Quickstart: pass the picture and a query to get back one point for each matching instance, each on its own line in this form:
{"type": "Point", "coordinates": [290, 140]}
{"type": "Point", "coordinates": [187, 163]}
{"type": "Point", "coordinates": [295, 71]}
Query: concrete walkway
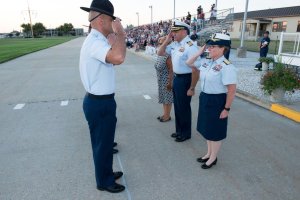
{"type": "Point", "coordinates": [45, 150]}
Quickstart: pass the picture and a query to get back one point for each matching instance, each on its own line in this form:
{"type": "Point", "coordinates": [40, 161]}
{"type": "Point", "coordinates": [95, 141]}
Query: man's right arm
{"type": "Point", "coordinates": [116, 55]}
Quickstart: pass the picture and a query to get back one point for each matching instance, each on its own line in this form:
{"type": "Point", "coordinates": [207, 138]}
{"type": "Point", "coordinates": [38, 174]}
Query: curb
{"type": "Point", "coordinates": [287, 112]}
{"type": "Point", "coordinates": [276, 108]}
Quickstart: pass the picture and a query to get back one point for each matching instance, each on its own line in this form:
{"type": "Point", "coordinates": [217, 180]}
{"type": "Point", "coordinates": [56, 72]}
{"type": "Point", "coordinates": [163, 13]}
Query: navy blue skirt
{"type": "Point", "coordinates": [209, 124]}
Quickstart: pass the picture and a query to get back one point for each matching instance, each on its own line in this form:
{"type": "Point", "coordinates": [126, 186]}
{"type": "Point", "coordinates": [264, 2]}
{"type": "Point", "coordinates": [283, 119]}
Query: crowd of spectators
{"type": "Point", "coordinates": [145, 36]}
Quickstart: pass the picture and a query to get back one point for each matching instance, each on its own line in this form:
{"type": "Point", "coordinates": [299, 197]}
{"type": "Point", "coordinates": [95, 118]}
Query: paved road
{"type": "Point", "coordinates": [46, 154]}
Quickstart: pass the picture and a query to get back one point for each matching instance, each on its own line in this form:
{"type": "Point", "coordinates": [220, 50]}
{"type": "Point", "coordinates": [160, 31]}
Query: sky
{"type": "Point", "coordinates": [54, 13]}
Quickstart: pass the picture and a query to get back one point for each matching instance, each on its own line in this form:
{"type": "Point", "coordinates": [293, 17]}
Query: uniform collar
{"type": "Point", "coordinates": [184, 40]}
{"type": "Point", "coordinates": [97, 34]}
{"type": "Point", "coordinates": [220, 60]}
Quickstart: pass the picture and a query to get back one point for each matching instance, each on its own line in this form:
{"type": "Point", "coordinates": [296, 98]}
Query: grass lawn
{"type": "Point", "coordinates": [273, 48]}
{"type": "Point", "coordinates": [11, 48]}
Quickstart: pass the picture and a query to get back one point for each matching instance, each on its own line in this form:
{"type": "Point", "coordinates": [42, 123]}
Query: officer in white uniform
{"type": "Point", "coordinates": [180, 50]}
{"type": "Point", "coordinates": [97, 59]}
{"type": "Point", "coordinates": [218, 79]}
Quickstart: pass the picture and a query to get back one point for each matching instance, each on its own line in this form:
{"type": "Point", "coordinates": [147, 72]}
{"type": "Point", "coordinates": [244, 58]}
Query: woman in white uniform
{"type": "Point", "coordinates": [218, 86]}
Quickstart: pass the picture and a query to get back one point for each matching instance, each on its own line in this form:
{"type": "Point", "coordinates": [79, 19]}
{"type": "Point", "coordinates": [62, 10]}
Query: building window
{"type": "Point", "coordinates": [248, 27]}
{"type": "Point", "coordinates": [298, 27]}
{"type": "Point", "coordinates": [279, 26]}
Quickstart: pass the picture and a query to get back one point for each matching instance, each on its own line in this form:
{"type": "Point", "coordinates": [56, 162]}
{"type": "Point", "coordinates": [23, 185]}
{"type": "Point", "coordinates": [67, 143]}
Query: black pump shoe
{"type": "Point", "coordinates": [204, 166]}
{"type": "Point", "coordinates": [201, 160]}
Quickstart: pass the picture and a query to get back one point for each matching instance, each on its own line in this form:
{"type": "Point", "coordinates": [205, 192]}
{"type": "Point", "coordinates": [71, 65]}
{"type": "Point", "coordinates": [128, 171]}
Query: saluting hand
{"type": "Point", "coordinates": [117, 27]}
{"type": "Point", "coordinates": [202, 49]}
{"type": "Point", "coordinates": [169, 38]}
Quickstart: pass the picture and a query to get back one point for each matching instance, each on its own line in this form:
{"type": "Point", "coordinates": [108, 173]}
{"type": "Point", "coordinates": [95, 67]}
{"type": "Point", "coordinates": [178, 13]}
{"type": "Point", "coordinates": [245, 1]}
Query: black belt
{"type": "Point", "coordinates": [105, 96]}
{"type": "Point", "coordinates": [182, 75]}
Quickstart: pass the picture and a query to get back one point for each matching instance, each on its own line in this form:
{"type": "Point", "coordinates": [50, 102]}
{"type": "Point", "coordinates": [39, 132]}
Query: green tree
{"type": "Point", "coordinates": [65, 29]}
{"type": "Point", "coordinates": [38, 29]}
{"type": "Point", "coordinates": [130, 26]}
{"type": "Point", "coordinates": [26, 29]}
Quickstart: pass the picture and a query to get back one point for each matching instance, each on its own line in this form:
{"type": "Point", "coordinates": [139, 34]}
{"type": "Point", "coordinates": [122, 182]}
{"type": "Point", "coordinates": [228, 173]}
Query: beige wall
{"type": "Point", "coordinates": [292, 23]}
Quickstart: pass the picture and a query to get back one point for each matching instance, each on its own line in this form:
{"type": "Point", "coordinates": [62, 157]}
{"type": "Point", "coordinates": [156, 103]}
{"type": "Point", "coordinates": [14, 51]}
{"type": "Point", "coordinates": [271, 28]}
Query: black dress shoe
{"type": "Point", "coordinates": [115, 144]}
{"type": "Point", "coordinates": [181, 139]}
{"type": "Point", "coordinates": [201, 160]}
{"type": "Point", "coordinates": [113, 189]}
{"type": "Point", "coordinates": [174, 135]}
{"type": "Point", "coordinates": [115, 151]}
{"type": "Point", "coordinates": [117, 175]}
{"type": "Point", "coordinates": [204, 166]}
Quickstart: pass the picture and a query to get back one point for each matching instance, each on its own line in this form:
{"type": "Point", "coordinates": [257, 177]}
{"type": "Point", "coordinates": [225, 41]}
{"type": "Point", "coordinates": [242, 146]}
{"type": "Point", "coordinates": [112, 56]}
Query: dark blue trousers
{"type": "Point", "coordinates": [263, 52]}
{"type": "Point", "coordinates": [182, 104]}
{"type": "Point", "coordinates": [101, 117]}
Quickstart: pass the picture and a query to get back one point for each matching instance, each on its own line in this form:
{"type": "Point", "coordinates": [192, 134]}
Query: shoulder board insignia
{"type": "Point", "coordinates": [190, 43]}
{"type": "Point", "coordinates": [227, 62]}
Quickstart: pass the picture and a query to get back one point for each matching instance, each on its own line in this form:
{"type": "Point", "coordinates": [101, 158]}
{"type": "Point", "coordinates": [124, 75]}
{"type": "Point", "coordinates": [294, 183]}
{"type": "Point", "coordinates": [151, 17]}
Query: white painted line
{"type": "Point", "coordinates": [123, 178]}
{"type": "Point", "coordinates": [64, 103]}
{"type": "Point", "coordinates": [19, 106]}
{"type": "Point", "coordinates": [147, 97]}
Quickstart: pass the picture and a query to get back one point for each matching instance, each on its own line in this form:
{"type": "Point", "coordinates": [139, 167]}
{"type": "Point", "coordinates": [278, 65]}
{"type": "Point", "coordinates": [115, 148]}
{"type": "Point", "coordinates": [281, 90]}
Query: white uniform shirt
{"type": "Point", "coordinates": [180, 52]}
{"type": "Point", "coordinates": [215, 75]}
{"type": "Point", "coordinates": [97, 76]}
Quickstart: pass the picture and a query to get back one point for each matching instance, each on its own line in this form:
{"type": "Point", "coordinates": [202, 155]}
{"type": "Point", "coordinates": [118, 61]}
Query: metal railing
{"type": "Point", "coordinates": [289, 50]}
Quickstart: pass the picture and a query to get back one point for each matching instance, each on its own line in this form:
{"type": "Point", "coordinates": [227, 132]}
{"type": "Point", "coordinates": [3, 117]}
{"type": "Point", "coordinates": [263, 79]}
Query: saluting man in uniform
{"type": "Point", "coordinates": [183, 86]}
{"type": "Point", "coordinates": [218, 79]}
{"type": "Point", "coordinates": [97, 59]}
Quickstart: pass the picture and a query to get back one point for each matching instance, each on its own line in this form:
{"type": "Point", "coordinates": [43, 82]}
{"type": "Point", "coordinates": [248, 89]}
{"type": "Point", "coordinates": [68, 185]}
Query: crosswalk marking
{"type": "Point", "coordinates": [147, 97]}
{"type": "Point", "coordinates": [19, 106]}
{"type": "Point", "coordinates": [64, 103]}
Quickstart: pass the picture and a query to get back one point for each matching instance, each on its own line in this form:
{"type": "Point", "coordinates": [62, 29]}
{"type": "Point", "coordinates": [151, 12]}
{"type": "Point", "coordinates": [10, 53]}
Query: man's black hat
{"type": "Point", "coordinates": [102, 6]}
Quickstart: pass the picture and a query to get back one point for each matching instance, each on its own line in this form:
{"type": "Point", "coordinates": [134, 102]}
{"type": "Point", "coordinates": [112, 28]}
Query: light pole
{"type": "Point", "coordinates": [30, 20]}
{"type": "Point", "coordinates": [138, 16]}
{"type": "Point", "coordinates": [241, 52]}
{"type": "Point", "coordinates": [174, 10]}
{"type": "Point", "coordinates": [151, 15]}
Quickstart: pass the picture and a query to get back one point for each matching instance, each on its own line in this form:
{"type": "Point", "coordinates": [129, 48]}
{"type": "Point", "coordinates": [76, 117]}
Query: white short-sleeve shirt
{"type": "Point", "coordinates": [97, 76]}
{"type": "Point", "coordinates": [216, 75]}
{"type": "Point", "coordinates": [180, 52]}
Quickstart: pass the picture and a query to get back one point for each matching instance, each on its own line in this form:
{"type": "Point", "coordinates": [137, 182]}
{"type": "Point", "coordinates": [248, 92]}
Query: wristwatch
{"type": "Point", "coordinates": [228, 109]}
